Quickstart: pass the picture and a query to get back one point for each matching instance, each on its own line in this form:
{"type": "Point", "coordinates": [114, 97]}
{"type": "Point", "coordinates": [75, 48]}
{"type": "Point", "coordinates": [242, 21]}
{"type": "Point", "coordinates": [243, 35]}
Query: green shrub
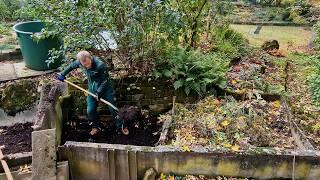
{"type": "Point", "coordinates": [287, 3]}
{"type": "Point", "coordinates": [295, 16]}
{"type": "Point", "coordinates": [314, 81]}
{"type": "Point", "coordinates": [3, 10]}
{"type": "Point", "coordinates": [230, 42]}
{"type": "Point", "coordinates": [275, 13]}
{"type": "Point", "coordinates": [299, 11]}
{"type": "Point", "coordinates": [140, 28]}
{"type": "Point", "coordinates": [7, 7]}
{"type": "Point", "coordinates": [4, 30]}
{"type": "Point", "coordinates": [285, 15]}
{"type": "Point", "coordinates": [193, 71]}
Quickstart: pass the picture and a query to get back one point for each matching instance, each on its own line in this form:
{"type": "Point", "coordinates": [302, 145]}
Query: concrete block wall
{"type": "Point", "coordinates": [105, 161]}
{"type": "Point", "coordinates": [47, 132]}
{"type": "Point", "coordinates": [150, 94]}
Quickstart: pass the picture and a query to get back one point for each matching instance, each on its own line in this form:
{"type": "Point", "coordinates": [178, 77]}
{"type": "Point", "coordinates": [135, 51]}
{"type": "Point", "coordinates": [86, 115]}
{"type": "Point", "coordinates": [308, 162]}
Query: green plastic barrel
{"type": "Point", "coordinates": [35, 53]}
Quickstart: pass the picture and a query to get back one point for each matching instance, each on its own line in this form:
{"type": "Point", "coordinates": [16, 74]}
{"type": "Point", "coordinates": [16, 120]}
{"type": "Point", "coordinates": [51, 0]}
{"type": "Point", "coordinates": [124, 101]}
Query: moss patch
{"type": "Point", "coordinates": [18, 95]}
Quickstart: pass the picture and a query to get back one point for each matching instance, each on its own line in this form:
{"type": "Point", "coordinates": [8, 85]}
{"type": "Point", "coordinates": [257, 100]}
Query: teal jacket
{"type": "Point", "coordinates": [98, 77]}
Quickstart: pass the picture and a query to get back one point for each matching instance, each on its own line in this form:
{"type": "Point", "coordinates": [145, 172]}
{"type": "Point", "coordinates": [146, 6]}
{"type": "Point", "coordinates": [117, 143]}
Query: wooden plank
{"type": "Point", "coordinates": [5, 166]}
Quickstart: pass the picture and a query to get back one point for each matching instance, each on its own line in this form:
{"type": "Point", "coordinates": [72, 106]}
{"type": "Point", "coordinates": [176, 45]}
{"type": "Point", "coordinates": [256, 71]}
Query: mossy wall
{"type": "Point", "coordinates": [150, 94]}
{"type": "Point", "coordinates": [18, 95]}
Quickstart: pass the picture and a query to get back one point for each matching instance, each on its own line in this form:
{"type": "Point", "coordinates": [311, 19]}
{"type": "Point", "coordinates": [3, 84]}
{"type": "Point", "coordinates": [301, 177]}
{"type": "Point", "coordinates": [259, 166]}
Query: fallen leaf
{"type": "Point", "coordinates": [227, 145]}
{"type": "Point", "coordinates": [162, 176]}
{"type": "Point", "coordinates": [235, 148]}
{"type": "Point", "coordinates": [277, 104]}
{"type": "Point", "coordinates": [185, 149]}
{"type": "Point", "coordinates": [225, 123]}
{"type": "Point", "coordinates": [237, 68]}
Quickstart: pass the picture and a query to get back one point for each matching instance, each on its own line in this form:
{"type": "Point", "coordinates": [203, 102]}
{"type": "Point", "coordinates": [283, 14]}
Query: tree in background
{"type": "Point", "coordinates": [140, 28]}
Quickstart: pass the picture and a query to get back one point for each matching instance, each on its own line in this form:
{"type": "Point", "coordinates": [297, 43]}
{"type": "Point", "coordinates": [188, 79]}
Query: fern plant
{"type": "Point", "coordinates": [193, 70]}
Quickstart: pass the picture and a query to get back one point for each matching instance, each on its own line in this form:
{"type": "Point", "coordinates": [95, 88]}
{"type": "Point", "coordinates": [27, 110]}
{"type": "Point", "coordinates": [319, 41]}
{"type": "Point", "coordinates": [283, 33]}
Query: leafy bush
{"type": "Point", "coordinates": [229, 41]}
{"type": "Point", "coordinates": [3, 10]}
{"type": "Point", "coordinates": [7, 7]}
{"type": "Point", "coordinates": [4, 30]}
{"type": "Point", "coordinates": [192, 70]}
{"type": "Point", "coordinates": [140, 28]}
{"type": "Point", "coordinates": [295, 17]}
{"type": "Point", "coordinates": [299, 11]}
{"type": "Point", "coordinates": [287, 3]}
{"type": "Point", "coordinates": [286, 15]}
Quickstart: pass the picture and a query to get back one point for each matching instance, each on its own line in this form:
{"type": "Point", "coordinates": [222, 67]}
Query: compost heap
{"type": "Point", "coordinates": [231, 124]}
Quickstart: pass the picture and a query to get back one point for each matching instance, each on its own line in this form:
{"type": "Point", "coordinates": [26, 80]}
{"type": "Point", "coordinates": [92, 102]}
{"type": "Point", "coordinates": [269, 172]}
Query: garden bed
{"type": "Point", "coordinates": [257, 74]}
{"type": "Point", "coordinates": [142, 135]}
{"type": "Point", "coordinates": [236, 125]}
{"type": "Point", "coordinates": [16, 138]}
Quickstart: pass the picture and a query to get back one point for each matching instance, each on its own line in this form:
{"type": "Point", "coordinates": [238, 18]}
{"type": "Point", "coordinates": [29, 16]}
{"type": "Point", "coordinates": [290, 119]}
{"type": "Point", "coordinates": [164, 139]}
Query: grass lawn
{"type": "Point", "coordinates": [299, 36]}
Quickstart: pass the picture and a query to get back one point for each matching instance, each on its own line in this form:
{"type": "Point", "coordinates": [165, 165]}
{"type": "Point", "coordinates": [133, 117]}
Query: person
{"type": "Point", "coordinates": [99, 84]}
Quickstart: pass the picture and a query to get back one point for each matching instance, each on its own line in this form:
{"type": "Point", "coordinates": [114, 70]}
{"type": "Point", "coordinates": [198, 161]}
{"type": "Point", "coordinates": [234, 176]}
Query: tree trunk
{"type": "Point", "coordinates": [195, 25]}
{"type": "Point", "coordinates": [209, 21]}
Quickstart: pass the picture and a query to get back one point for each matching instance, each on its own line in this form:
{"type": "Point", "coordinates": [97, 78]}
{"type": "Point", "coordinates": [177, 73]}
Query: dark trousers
{"type": "Point", "coordinates": [92, 105]}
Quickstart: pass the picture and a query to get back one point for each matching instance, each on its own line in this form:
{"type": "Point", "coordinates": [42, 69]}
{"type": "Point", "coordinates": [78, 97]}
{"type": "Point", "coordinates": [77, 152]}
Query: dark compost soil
{"type": "Point", "coordinates": [145, 134]}
{"type": "Point", "coordinates": [16, 138]}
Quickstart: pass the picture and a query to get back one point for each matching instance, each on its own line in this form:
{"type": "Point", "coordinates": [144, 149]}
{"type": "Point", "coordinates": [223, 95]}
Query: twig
{"type": "Point", "coordinates": [173, 104]}
{"type": "Point", "coordinates": [166, 125]}
{"type": "Point", "coordinates": [300, 138]}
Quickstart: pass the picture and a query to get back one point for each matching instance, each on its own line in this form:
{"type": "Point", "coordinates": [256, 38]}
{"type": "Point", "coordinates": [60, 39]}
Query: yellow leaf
{"type": "Point", "coordinates": [227, 145]}
{"type": "Point", "coordinates": [233, 82]}
{"type": "Point", "coordinates": [185, 148]}
{"type": "Point", "coordinates": [316, 127]}
{"type": "Point", "coordinates": [240, 90]}
{"type": "Point", "coordinates": [225, 123]}
{"type": "Point", "coordinates": [216, 102]}
{"type": "Point", "coordinates": [162, 176]}
{"type": "Point", "coordinates": [235, 147]}
{"type": "Point", "coordinates": [277, 104]}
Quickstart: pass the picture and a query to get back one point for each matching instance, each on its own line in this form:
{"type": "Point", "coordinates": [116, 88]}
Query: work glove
{"type": "Point", "coordinates": [98, 94]}
{"type": "Point", "coordinates": [61, 77]}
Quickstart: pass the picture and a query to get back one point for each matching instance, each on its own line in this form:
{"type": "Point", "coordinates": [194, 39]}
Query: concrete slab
{"type": "Point", "coordinates": [92, 161]}
{"type": "Point", "coordinates": [22, 71]}
{"type": "Point", "coordinates": [12, 71]}
{"type": "Point", "coordinates": [44, 154]}
{"type": "Point", "coordinates": [7, 72]}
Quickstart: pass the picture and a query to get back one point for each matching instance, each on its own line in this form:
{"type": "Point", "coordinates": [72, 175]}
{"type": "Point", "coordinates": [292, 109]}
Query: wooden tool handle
{"type": "Point", "coordinates": [90, 93]}
{"type": "Point", "coordinates": [5, 167]}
